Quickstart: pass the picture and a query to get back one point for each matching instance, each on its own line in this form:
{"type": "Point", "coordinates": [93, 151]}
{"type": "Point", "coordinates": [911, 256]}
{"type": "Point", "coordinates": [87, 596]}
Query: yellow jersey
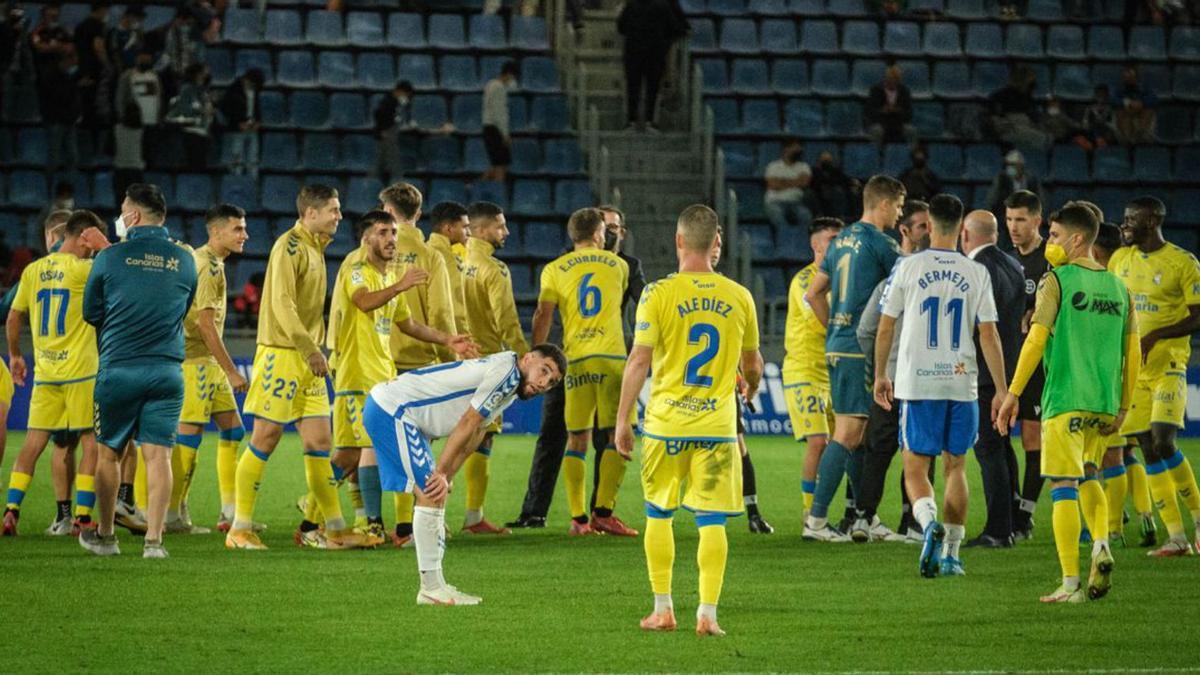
{"type": "Point", "coordinates": [588, 285]}
{"type": "Point", "coordinates": [1163, 284]}
{"type": "Point", "coordinates": [698, 325]}
{"type": "Point", "coordinates": [804, 335]}
{"type": "Point", "coordinates": [210, 294]}
{"type": "Point", "coordinates": [429, 302]}
{"type": "Point", "coordinates": [488, 291]}
{"type": "Point", "coordinates": [454, 270]}
{"type": "Point", "coordinates": [292, 313]}
{"type": "Point", "coordinates": [363, 354]}
{"type": "Point", "coordinates": [51, 293]}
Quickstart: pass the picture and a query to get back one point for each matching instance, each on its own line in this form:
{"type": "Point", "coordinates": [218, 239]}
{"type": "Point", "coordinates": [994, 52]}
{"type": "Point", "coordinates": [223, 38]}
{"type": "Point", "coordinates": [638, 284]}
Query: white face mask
{"type": "Point", "coordinates": [122, 228]}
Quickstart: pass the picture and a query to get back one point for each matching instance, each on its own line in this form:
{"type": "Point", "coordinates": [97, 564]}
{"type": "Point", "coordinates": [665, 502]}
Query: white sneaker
{"type": "Point", "coordinates": [130, 517]}
{"type": "Point", "coordinates": [154, 551]}
{"type": "Point", "coordinates": [181, 525]}
{"type": "Point", "coordinates": [446, 595]}
{"type": "Point", "coordinates": [102, 546]}
{"type": "Point", "coordinates": [881, 532]}
{"type": "Point", "coordinates": [828, 534]}
{"type": "Point", "coordinates": [860, 531]}
{"type": "Point", "coordinates": [60, 528]}
{"type": "Point", "coordinates": [914, 536]}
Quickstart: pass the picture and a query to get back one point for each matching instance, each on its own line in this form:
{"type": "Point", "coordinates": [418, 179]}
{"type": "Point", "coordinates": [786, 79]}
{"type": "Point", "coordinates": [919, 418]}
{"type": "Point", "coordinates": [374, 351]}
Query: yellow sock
{"type": "Point", "coordinates": [404, 507]}
{"type": "Point", "coordinates": [312, 509]}
{"type": "Point", "coordinates": [139, 481]}
{"type": "Point", "coordinates": [1162, 488]}
{"type": "Point", "coordinates": [1185, 482]}
{"type": "Point", "coordinates": [227, 462]}
{"type": "Point", "coordinates": [178, 477]}
{"type": "Point", "coordinates": [710, 556]}
{"type": "Point", "coordinates": [807, 489]}
{"type": "Point", "coordinates": [573, 469]}
{"type": "Point", "coordinates": [250, 470]}
{"type": "Point", "coordinates": [1067, 528]}
{"type": "Point", "coordinates": [85, 495]}
{"type": "Point", "coordinates": [18, 484]}
{"type": "Point", "coordinates": [1115, 487]}
{"type": "Point", "coordinates": [356, 499]}
{"type": "Point", "coordinates": [659, 542]}
{"type": "Point", "coordinates": [1139, 487]}
{"type": "Point", "coordinates": [319, 473]}
{"type": "Point", "coordinates": [476, 471]}
{"type": "Point", "coordinates": [612, 472]}
{"type": "Point", "coordinates": [1095, 508]}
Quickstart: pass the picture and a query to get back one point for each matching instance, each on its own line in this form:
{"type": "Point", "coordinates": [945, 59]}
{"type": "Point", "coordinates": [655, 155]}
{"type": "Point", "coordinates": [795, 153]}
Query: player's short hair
{"type": "Point", "coordinates": [609, 208]}
{"type": "Point", "coordinates": [314, 197]}
{"type": "Point", "coordinates": [912, 207]}
{"type": "Point", "coordinates": [1108, 237]}
{"type": "Point", "coordinates": [583, 224]}
{"type": "Point", "coordinates": [823, 223]}
{"type": "Point", "coordinates": [222, 212]}
{"type": "Point", "coordinates": [1090, 206]}
{"type": "Point", "coordinates": [483, 210]}
{"type": "Point", "coordinates": [446, 211]}
{"type": "Point", "coordinates": [554, 353]}
{"type": "Point", "coordinates": [1151, 205]}
{"type": "Point", "coordinates": [699, 226]}
{"type": "Point", "coordinates": [148, 197]}
{"type": "Point", "coordinates": [1024, 199]}
{"type": "Point", "coordinates": [1077, 219]}
{"type": "Point", "coordinates": [81, 220]}
{"type": "Point", "coordinates": [371, 219]}
{"type": "Point", "coordinates": [56, 219]}
{"type": "Point", "coordinates": [946, 212]}
{"type": "Point", "coordinates": [881, 188]}
{"type": "Point", "coordinates": [404, 197]}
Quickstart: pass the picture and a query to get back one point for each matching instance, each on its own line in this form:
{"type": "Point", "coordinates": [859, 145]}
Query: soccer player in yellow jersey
{"type": "Point", "coordinates": [66, 357]}
{"type": "Point", "coordinates": [697, 328]}
{"type": "Point", "coordinates": [449, 222]}
{"type": "Point", "coordinates": [488, 292]}
{"type": "Point", "coordinates": [586, 285]}
{"type": "Point", "coordinates": [1164, 281]}
{"type": "Point", "coordinates": [805, 378]}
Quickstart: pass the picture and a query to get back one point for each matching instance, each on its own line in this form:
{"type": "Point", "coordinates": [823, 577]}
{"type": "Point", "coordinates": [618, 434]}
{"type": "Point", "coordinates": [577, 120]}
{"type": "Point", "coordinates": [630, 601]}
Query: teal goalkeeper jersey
{"type": "Point", "coordinates": [857, 260]}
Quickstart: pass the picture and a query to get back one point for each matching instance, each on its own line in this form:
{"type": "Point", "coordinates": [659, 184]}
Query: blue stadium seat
{"type": "Point", "coordinates": [32, 147]}
{"type": "Point", "coordinates": [492, 191]}
{"type": "Point", "coordinates": [691, 7]}
{"type": "Point", "coordinates": [543, 240]}
{"type": "Point", "coordinates": [830, 78]}
{"type": "Point", "coordinates": [83, 189]}
{"type": "Point", "coordinates": [446, 31]}
{"type": "Point", "coordinates": [966, 9]}
{"type": "Point", "coordinates": [769, 7]}
{"type": "Point", "coordinates": [406, 31]}
{"type": "Point", "coordinates": [348, 111]}
{"type": "Point", "coordinates": [1174, 124]}
{"type": "Point", "coordinates": [760, 116]}
{"type": "Point", "coordinates": [727, 7]}
{"type": "Point", "coordinates": [1024, 42]}
{"type": "Point", "coordinates": [1148, 43]}
{"type": "Point", "coordinates": [915, 75]}
{"type": "Point", "coordinates": [989, 76]}
{"type": "Point", "coordinates": [343, 243]}
{"type": "Point", "coordinates": [376, 70]}
{"type": "Point", "coordinates": [739, 36]}
{"type": "Point", "coordinates": [488, 33]}
{"type": "Point", "coordinates": [1185, 207]}
{"type": "Point", "coordinates": [319, 152]}
{"type": "Point", "coordinates": [447, 190]}
{"type": "Point", "coordinates": [274, 108]}
{"type": "Point", "coordinates": [819, 37]}
{"type": "Point", "coordinates": [296, 69]}
{"type": "Point", "coordinates": [1047, 11]}
{"type": "Point", "coordinates": [762, 244]}
{"type": "Point", "coordinates": [1069, 164]}
{"type": "Point", "coordinates": [254, 58]}
{"type": "Point", "coordinates": [1106, 43]}
{"type": "Point", "coordinates": [946, 159]}
{"type": "Point", "coordinates": [775, 285]}
{"type": "Point", "coordinates": [459, 73]}
{"type": "Point", "coordinates": [518, 113]}
{"type": "Point", "coordinates": [739, 159]}
{"type": "Point", "coordinates": [1111, 164]}
{"type": "Point", "coordinates": [750, 200]}
{"type": "Point", "coordinates": [861, 38]}
{"type": "Point", "coordinates": [325, 29]}
{"type": "Point", "coordinates": [335, 70]}
{"type": "Point", "coordinates": [807, 7]}
{"type": "Point", "coordinates": [490, 65]}
{"type": "Point", "coordinates": [1065, 42]}
{"type": "Point", "coordinates": [539, 74]}
{"type": "Point", "coordinates": [866, 74]}
{"type": "Point", "coordinates": [847, 8]}
{"type": "Point", "coordinates": [572, 194]}
{"type": "Point", "coordinates": [768, 151]}
{"type": "Point", "coordinates": [363, 194]}
{"type": "Point", "coordinates": [1185, 43]}
{"type": "Point", "coordinates": [860, 160]}
{"type": "Point", "coordinates": [241, 26]}
{"type": "Point", "coordinates": [1186, 238]}
{"type": "Point", "coordinates": [713, 75]}
{"type": "Point", "coordinates": [902, 38]}
{"type": "Point", "coordinates": [549, 114]}
{"type": "Point", "coordinates": [927, 8]}
{"type": "Point", "coordinates": [952, 79]}
{"type": "Point", "coordinates": [790, 77]}
{"type": "Point", "coordinates": [258, 241]}
{"type": "Point", "coordinates": [522, 281]}
{"type": "Point", "coordinates": [531, 197]}
{"type": "Point", "coordinates": [364, 29]}
{"type": "Point", "coordinates": [704, 35]}
{"type": "Point", "coordinates": [1152, 163]}
{"type": "Point", "coordinates": [750, 76]}
{"type": "Point", "coordinates": [779, 36]}
{"type": "Point", "coordinates": [529, 32]}
{"type": "Point", "coordinates": [526, 156]}
{"type": "Point", "coordinates": [220, 64]}
{"type": "Point", "coordinates": [467, 113]}
{"type": "Point", "coordinates": [726, 117]}
{"type": "Point", "coordinates": [1187, 82]}
{"type": "Point", "coordinates": [803, 117]}
{"type": "Point", "coordinates": [278, 151]}
{"type": "Point", "coordinates": [844, 118]}
{"type": "Point", "coordinates": [929, 117]}
{"type": "Point", "coordinates": [417, 69]}
{"type": "Point", "coordinates": [983, 162]}
{"type": "Point", "coordinates": [193, 192]}
{"type": "Point", "coordinates": [358, 152]}
{"type": "Point", "coordinates": [984, 41]}
{"type": "Point", "coordinates": [164, 181]}
{"type": "Point", "coordinates": [942, 40]}
{"type": "Point", "coordinates": [1073, 81]}
{"type": "Point", "coordinates": [309, 110]}
{"type": "Point", "coordinates": [283, 27]}
{"type": "Point", "coordinates": [1113, 200]}
{"type": "Point", "coordinates": [896, 158]}
{"type": "Point", "coordinates": [102, 190]}
{"type": "Point", "coordinates": [429, 112]}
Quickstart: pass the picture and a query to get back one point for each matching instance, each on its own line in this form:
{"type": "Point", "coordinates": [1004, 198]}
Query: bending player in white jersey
{"type": "Point", "coordinates": [944, 296]}
{"type": "Point", "coordinates": [456, 400]}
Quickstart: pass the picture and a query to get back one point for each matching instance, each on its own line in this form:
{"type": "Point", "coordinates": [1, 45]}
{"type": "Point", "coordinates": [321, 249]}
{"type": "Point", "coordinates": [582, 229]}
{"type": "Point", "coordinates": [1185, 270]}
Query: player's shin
{"type": "Point", "coordinates": [476, 471]}
{"type": "Point", "coordinates": [85, 496]}
{"type": "Point", "coordinates": [1094, 504]}
{"type": "Point", "coordinates": [1162, 489]}
{"type": "Point", "coordinates": [612, 472]}
{"type": "Point", "coordinates": [573, 468]}
{"type": "Point", "coordinates": [829, 478]}
{"type": "Point", "coordinates": [372, 492]}
{"type": "Point", "coordinates": [318, 473]}
{"type": "Point", "coordinates": [1185, 482]}
{"type": "Point", "coordinates": [1066, 531]}
{"type": "Point", "coordinates": [659, 545]}
{"type": "Point", "coordinates": [1115, 488]}
{"type": "Point", "coordinates": [429, 530]}
{"type": "Point", "coordinates": [227, 461]}
{"type": "Point", "coordinates": [710, 557]}
{"type": "Point", "coordinates": [183, 463]}
{"type": "Point", "coordinates": [250, 470]}
{"type": "Point", "coordinates": [403, 503]}
{"type": "Point", "coordinates": [1139, 484]}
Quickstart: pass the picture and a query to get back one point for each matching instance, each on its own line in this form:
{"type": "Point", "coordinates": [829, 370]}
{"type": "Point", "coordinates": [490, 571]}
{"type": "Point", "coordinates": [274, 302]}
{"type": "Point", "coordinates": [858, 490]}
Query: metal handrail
{"type": "Point", "coordinates": [605, 177]}
{"type": "Point", "coordinates": [707, 151]}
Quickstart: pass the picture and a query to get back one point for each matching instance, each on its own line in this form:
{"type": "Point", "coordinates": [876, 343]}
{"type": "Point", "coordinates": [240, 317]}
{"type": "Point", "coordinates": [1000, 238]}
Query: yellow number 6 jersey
{"type": "Point", "coordinates": [698, 325]}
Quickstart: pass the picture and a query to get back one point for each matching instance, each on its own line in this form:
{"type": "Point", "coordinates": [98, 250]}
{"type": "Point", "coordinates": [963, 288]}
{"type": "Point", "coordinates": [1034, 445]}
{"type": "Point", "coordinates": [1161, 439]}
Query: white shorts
{"type": "Point", "coordinates": [401, 448]}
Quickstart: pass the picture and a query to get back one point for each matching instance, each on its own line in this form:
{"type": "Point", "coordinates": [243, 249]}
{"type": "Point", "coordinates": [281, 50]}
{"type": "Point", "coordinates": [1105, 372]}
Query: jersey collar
{"type": "Point", "coordinates": [438, 240]}
{"type": "Point", "coordinates": [409, 232]}
{"type": "Point", "coordinates": [316, 241]}
{"type": "Point", "coordinates": [147, 231]}
{"type": "Point", "coordinates": [475, 244]}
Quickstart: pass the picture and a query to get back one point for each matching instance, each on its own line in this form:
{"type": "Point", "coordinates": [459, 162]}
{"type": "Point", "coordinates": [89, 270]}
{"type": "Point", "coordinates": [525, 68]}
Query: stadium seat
{"type": "Point", "coordinates": [364, 29]}
{"type": "Point", "coordinates": [32, 147]}
{"type": "Point", "coordinates": [1065, 42]}
{"type": "Point", "coordinates": [946, 159]}
{"type": "Point", "coordinates": [1069, 164]}
{"type": "Point", "coordinates": [335, 70]}
{"type": "Point", "coordinates": [418, 70]}
{"type": "Point", "coordinates": [844, 118]}
{"type": "Point", "coordinates": [220, 65]}
{"type": "Point", "coordinates": [1111, 164]}
{"type": "Point", "coordinates": [279, 152]}
{"type": "Point", "coordinates": [1148, 43]}
{"type": "Point", "coordinates": [490, 65]}
{"type": "Point", "coordinates": [247, 59]}
{"type": "Point", "coordinates": [779, 36]}
{"type": "Point", "coordinates": [459, 73]}
{"type": "Point", "coordinates": [429, 112]}
{"type": "Point", "coordinates": [790, 77]}
{"type": "Point", "coordinates": [348, 112]}
{"type": "Point", "coordinates": [1047, 11]}
{"type": "Point", "coordinates": [762, 243]}
{"type": "Point", "coordinates": [446, 31]}
{"type": "Point", "coordinates": [739, 36]}
{"type": "Point", "coordinates": [549, 114]}
{"type": "Point", "coordinates": [283, 27]}
{"type": "Point", "coordinates": [319, 152]}
{"type": "Point", "coordinates": [929, 117]}
{"type": "Point", "coordinates": [860, 160]}
{"type": "Point", "coordinates": [193, 192]}
{"type": "Point", "coordinates": [530, 197]}
{"type": "Point", "coordinates": [713, 75]}
{"type": "Point", "coordinates": [807, 7]}
{"type": "Point", "coordinates": [241, 26]}
{"type": "Point", "coordinates": [447, 190]}
{"type": "Point", "coordinates": [830, 78]}
{"type": "Point", "coordinates": [571, 195]}
{"type": "Point", "coordinates": [1024, 42]}
{"type": "Point", "coordinates": [164, 181]}
{"type": "Point", "coordinates": [325, 29]}
{"type": "Point", "coordinates": [492, 191]}
{"type": "Point", "coordinates": [767, 152]}
{"type": "Point", "coordinates": [406, 31]}
{"type": "Point", "coordinates": [296, 69]}
{"type": "Point", "coordinates": [518, 113]}
{"type": "Point", "coordinates": [902, 38]}
{"type": "Point", "coordinates": [769, 7]}
{"type": "Point", "coordinates": [988, 77]}
{"type": "Point", "coordinates": [1174, 124]}
{"type": "Point", "coordinates": [1187, 82]}
{"type": "Point", "coordinates": [441, 154]}
{"type": "Point", "coordinates": [526, 156]}
{"type": "Point", "coordinates": [750, 200]}
{"type": "Point", "coordinates": [259, 239]}
{"type": "Point", "coordinates": [915, 75]}
{"type": "Point", "coordinates": [467, 113]}
{"type": "Point", "coordinates": [1106, 43]}
{"type": "Point", "coordinates": [927, 8]}
{"type": "Point", "coordinates": [274, 108]}
{"type": "Point", "coordinates": [803, 117]}
{"type": "Point", "coordinates": [727, 7]}
{"type": "Point", "coordinates": [739, 159]}
{"type": "Point", "coordinates": [692, 7]}
{"type": "Point", "coordinates": [1073, 82]}
{"type": "Point", "coordinates": [539, 74]}
{"type": "Point", "coordinates": [1185, 43]}
{"type": "Point", "coordinates": [861, 38]}
{"type": "Point", "coordinates": [528, 32]}
{"type": "Point", "coordinates": [1186, 238]}
{"type": "Point", "coordinates": [1185, 207]}
{"type": "Point", "coordinates": [309, 110]}
{"type": "Point", "coordinates": [363, 194]}
{"type": "Point", "coordinates": [896, 158]}
{"type": "Point", "coordinates": [847, 8]}
{"type": "Point", "coordinates": [760, 117]}
{"type": "Point", "coordinates": [1187, 164]}
{"type": "Point", "coordinates": [942, 40]}
{"type": "Point", "coordinates": [983, 162]}
{"type": "Point", "coordinates": [704, 36]}
{"type": "Point", "coordinates": [487, 33]}
{"type": "Point", "coordinates": [984, 41]}
{"type": "Point", "coordinates": [522, 277]}
{"type": "Point", "coordinates": [1151, 164]}
{"type": "Point", "coordinates": [966, 9]}
{"type": "Point", "coordinates": [343, 243]}
{"type": "Point", "coordinates": [376, 70]}
{"type": "Point", "coordinates": [866, 74]}
{"type": "Point", "coordinates": [819, 37]}
{"type": "Point", "coordinates": [775, 284]}
{"type": "Point", "coordinates": [952, 79]}
{"type": "Point", "coordinates": [750, 77]}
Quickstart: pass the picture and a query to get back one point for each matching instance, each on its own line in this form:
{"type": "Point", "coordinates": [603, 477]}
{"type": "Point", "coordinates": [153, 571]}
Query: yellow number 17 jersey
{"type": "Point", "coordinates": [588, 285]}
{"type": "Point", "coordinates": [698, 325]}
{"type": "Point", "coordinates": [51, 294]}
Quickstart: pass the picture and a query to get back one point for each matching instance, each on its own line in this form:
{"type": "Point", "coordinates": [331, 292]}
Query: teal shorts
{"type": "Point", "coordinates": [848, 386]}
{"type": "Point", "coordinates": [138, 402]}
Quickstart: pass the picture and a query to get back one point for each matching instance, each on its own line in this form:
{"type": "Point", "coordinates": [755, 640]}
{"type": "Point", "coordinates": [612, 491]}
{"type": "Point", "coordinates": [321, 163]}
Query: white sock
{"type": "Point", "coordinates": [1099, 545]}
{"type": "Point", "coordinates": [227, 511]}
{"type": "Point", "coordinates": [816, 523]}
{"type": "Point", "coordinates": [924, 511]}
{"type": "Point", "coordinates": [335, 524]}
{"type": "Point", "coordinates": [954, 536]}
{"type": "Point", "coordinates": [750, 499]}
{"type": "Point", "coordinates": [707, 611]}
{"type": "Point", "coordinates": [662, 603]}
{"type": "Point", "coordinates": [429, 540]}
{"type": "Point", "coordinates": [172, 514]}
{"type": "Point", "coordinates": [360, 513]}
{"type": "Point", "coordinates": [473, 517]}
{"type": "Point", "coordinates": [1071, 583]}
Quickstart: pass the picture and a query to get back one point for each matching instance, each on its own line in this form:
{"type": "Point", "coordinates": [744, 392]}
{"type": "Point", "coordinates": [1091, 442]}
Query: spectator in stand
{"type": "Point", "coordinates": [242, 117]}
{"type": "Point", "coordinates": [496, 138]}
{"type": "Point", "coordinates": [1100, 120]}
{"type": "Point", "coordinates": [63, 200]}
{"type": "Point", "coordinates": [1011, 10]}
{"type": "Point", "coordinates": [397, 132]}
{"type": "Point", "coordinates": [192, 112]}
{"type": "Point", "coordinates": [129, 163]}
{"type": "Point", "coordinates": [95, 78]}
{"type": "Point", "coordinates": [127, 40]}
{"type": "Point", "coordinates": [832, 189]}
{"type": "Point", "coordinates": [246, 304]}
{"type": "Point", "coordinates": [16, 56]}
{"type": "Point", "coordinates": [58, 91]}
{"type": "Point", "coordinates": [920, 182]}
{"type": "Point", "coordinates": [1057, 124]}
{"type": "Point", "coordinates": [888, 112]}
{"type": "Point", "coordinates": [1011, 178]}
{"type": "Point", "coordinates": [649, 28]}
{"type": "Point", "coordinates": [50, 40]}
{"type": "Point", "coordinates": [784, 202]}
{"type": "Point", "coordinates": [1135, 109]}
{"type": "Point", "coordinates": [1015, 113]}
{"type": "Point", "coordinates": [181, 48]}
{"type": "Point", "coordinates": [140, 87]}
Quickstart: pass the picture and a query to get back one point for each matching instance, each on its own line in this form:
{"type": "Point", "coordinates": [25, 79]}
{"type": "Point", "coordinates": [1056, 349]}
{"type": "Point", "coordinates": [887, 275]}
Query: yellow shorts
{"type": "Point", "coordinates": [6, 385]}
{"type": "Point", "coordinates": [62, 407]}
{"type": "Point", "coordinates": [283, 389]}
{"type": "Point", "coordinates": [593, 392]}
{"type": "Point", "coordinates": [1159, 397]}
{"type": "Point", "coordinates": [1071, 440]}
{"type": "Point", "coordinates": [496, 426]}
{"type": "Point", "coordinates": [206, 392]}
{"type": "Point", "coordinates": [712, 471]}
{"type": "Point", "coordinates": [348, 430]}
{"type": "Point", "coordinates": [809, 409]}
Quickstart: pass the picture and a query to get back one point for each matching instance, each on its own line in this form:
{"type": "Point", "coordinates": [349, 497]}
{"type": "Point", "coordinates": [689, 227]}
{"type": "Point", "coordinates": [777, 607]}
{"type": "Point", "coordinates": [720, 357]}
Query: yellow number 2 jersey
{"type": "Point", "coordinates": [51, 294]}
{"type": "Point", "coordinates": [698, 325]}
{"type": "Point", "coordinates": [587, 285]}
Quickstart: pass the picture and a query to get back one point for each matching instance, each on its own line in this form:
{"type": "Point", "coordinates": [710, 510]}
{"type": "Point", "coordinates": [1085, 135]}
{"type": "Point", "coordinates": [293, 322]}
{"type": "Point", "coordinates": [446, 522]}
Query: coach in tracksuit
{"type": "Point", "coordinates": [137, 296]}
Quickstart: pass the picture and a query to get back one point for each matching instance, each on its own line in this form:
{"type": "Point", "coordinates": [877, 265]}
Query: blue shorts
{"type": "Point", "coordinates": [848, 386]}
{"type": "Point", "coordinates": [140, 403]}
{"type": "Point", "coordinates": [931, 427]}
{"type": "Point", "coordinates": [402, 450]}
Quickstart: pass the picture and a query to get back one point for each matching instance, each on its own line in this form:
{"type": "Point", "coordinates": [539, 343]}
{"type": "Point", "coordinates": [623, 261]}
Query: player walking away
{"type": "Point", "coordinates": [66, 359]}
{"type": "Point", "coordinates": [371, 302]}
{"type": "Point", "coordinates": [1083, 323]}
{"type": "Point", "coordinates": [1023, 216]}
{"type": "Point", "coordinates": [210, 378]}
{"type": "Point", "coordinates": [495, 326]}
{"type": "Point", "coordinates": [698, 328]}
{"type": "Point", "coordinates": [137, 296]}
{"type": "Point", "coordinates": [857, 260]}
{"type": "Point", "coordinates": [288, 379]}
{"type": "Point", "coordinates": [455, 401]}
{"type": "Point", "coordinates": [1164, 281]}
{"type": "Point", "coordinates": [586, 286]}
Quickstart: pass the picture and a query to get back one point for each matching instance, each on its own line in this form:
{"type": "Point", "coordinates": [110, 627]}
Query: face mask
{"type": "Point", "coordinates": [610, 240]}
{"type": "Point", "coordinates": [68, 204]}
{"type": "Point", "coordinates": [1056, 255]}
{"type": "Point", "coordinates": [121, 227]}
{"type": "Point", "coordinates": [1011, 171]}
{"type": "Point", "coordinates": [793, 156]}
{"type": "Point", "coordinates": [1053, 110]}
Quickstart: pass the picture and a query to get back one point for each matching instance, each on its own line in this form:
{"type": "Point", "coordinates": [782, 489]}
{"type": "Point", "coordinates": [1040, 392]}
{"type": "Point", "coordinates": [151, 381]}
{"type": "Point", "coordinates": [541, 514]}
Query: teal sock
{"type": "Point", "coordinates": [829, 477]}
{"type": "Point", "coordinates": [372, 491]}
{"type": "Point", "coordinates": [854, 471]}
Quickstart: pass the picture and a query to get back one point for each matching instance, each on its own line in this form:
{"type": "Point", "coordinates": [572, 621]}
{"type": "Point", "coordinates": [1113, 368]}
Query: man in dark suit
{"type": "Point", "coordinates": [552, 438]}
{"type": "Point", "coordinates": [997, 461]}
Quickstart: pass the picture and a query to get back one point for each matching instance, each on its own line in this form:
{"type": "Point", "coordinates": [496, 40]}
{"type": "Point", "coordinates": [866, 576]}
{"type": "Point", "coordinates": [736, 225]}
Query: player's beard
{"type": "Point", "coordinates": [521, 388]}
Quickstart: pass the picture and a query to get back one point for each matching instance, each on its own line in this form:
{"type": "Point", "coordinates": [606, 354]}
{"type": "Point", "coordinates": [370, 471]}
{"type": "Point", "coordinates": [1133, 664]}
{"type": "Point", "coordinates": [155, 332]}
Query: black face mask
{"type": "Point", "coordinates": [610, 240]}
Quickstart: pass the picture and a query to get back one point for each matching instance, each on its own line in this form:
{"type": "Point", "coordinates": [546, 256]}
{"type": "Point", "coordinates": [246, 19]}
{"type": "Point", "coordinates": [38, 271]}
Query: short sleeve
{"type": "Point", "coordinates": [987, 302]}
{"type": "Point", "coordinates": [891, 302]}
{"type": "Point", "coordinates": [21, 301]}
{"type": "Point", "coordinates": [402, 311]}
{"type": "Point", "coordinates": [547, 291]}
{"type": "Point", "coordinates": [828, 263]}
{"type": "Point", "coordinates": [750, 337]}
{"type": "Point", "coordinates": [646, 328]}
{"type": "Point", "coordinates": [498, 388]}
{"type": "Point", "coordinates": [1049, 295]}
{"type": "Point", "coordinates": [1189, 280]}
{"type": "Point", "coordinates": [887, 251]}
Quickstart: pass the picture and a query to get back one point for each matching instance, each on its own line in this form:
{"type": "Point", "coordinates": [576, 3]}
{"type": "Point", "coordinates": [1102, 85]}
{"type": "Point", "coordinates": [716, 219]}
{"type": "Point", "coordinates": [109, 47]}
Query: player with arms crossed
{"type": "Point", "coordinates": [1082, 324]}
{"type": "Point", "coordinates": [455, 401]}
{"type": "Point", "coordinates": [697, 327]}
{"type": "Point", "coordinates": [944, 297]}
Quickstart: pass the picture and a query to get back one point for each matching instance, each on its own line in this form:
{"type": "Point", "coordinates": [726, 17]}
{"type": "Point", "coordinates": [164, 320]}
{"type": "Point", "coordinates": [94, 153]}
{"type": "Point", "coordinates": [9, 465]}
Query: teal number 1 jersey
{"type": "Point", "coordinates": [857, 260]}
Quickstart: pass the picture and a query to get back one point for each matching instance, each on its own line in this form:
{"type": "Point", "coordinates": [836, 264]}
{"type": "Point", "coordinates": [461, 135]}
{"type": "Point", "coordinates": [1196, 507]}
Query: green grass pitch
{"type": "Point", "coordinates": [559, 604]}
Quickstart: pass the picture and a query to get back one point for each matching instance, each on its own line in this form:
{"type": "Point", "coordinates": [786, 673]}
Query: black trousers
{"type": "Point", "coordinates": [548, 456]}
{"type": "Point", "coordinates": [997, 466]}
{"type": "Point", "coordinates": [880, 443]}
{"type": "Point", "coordinates": [643, 67]}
